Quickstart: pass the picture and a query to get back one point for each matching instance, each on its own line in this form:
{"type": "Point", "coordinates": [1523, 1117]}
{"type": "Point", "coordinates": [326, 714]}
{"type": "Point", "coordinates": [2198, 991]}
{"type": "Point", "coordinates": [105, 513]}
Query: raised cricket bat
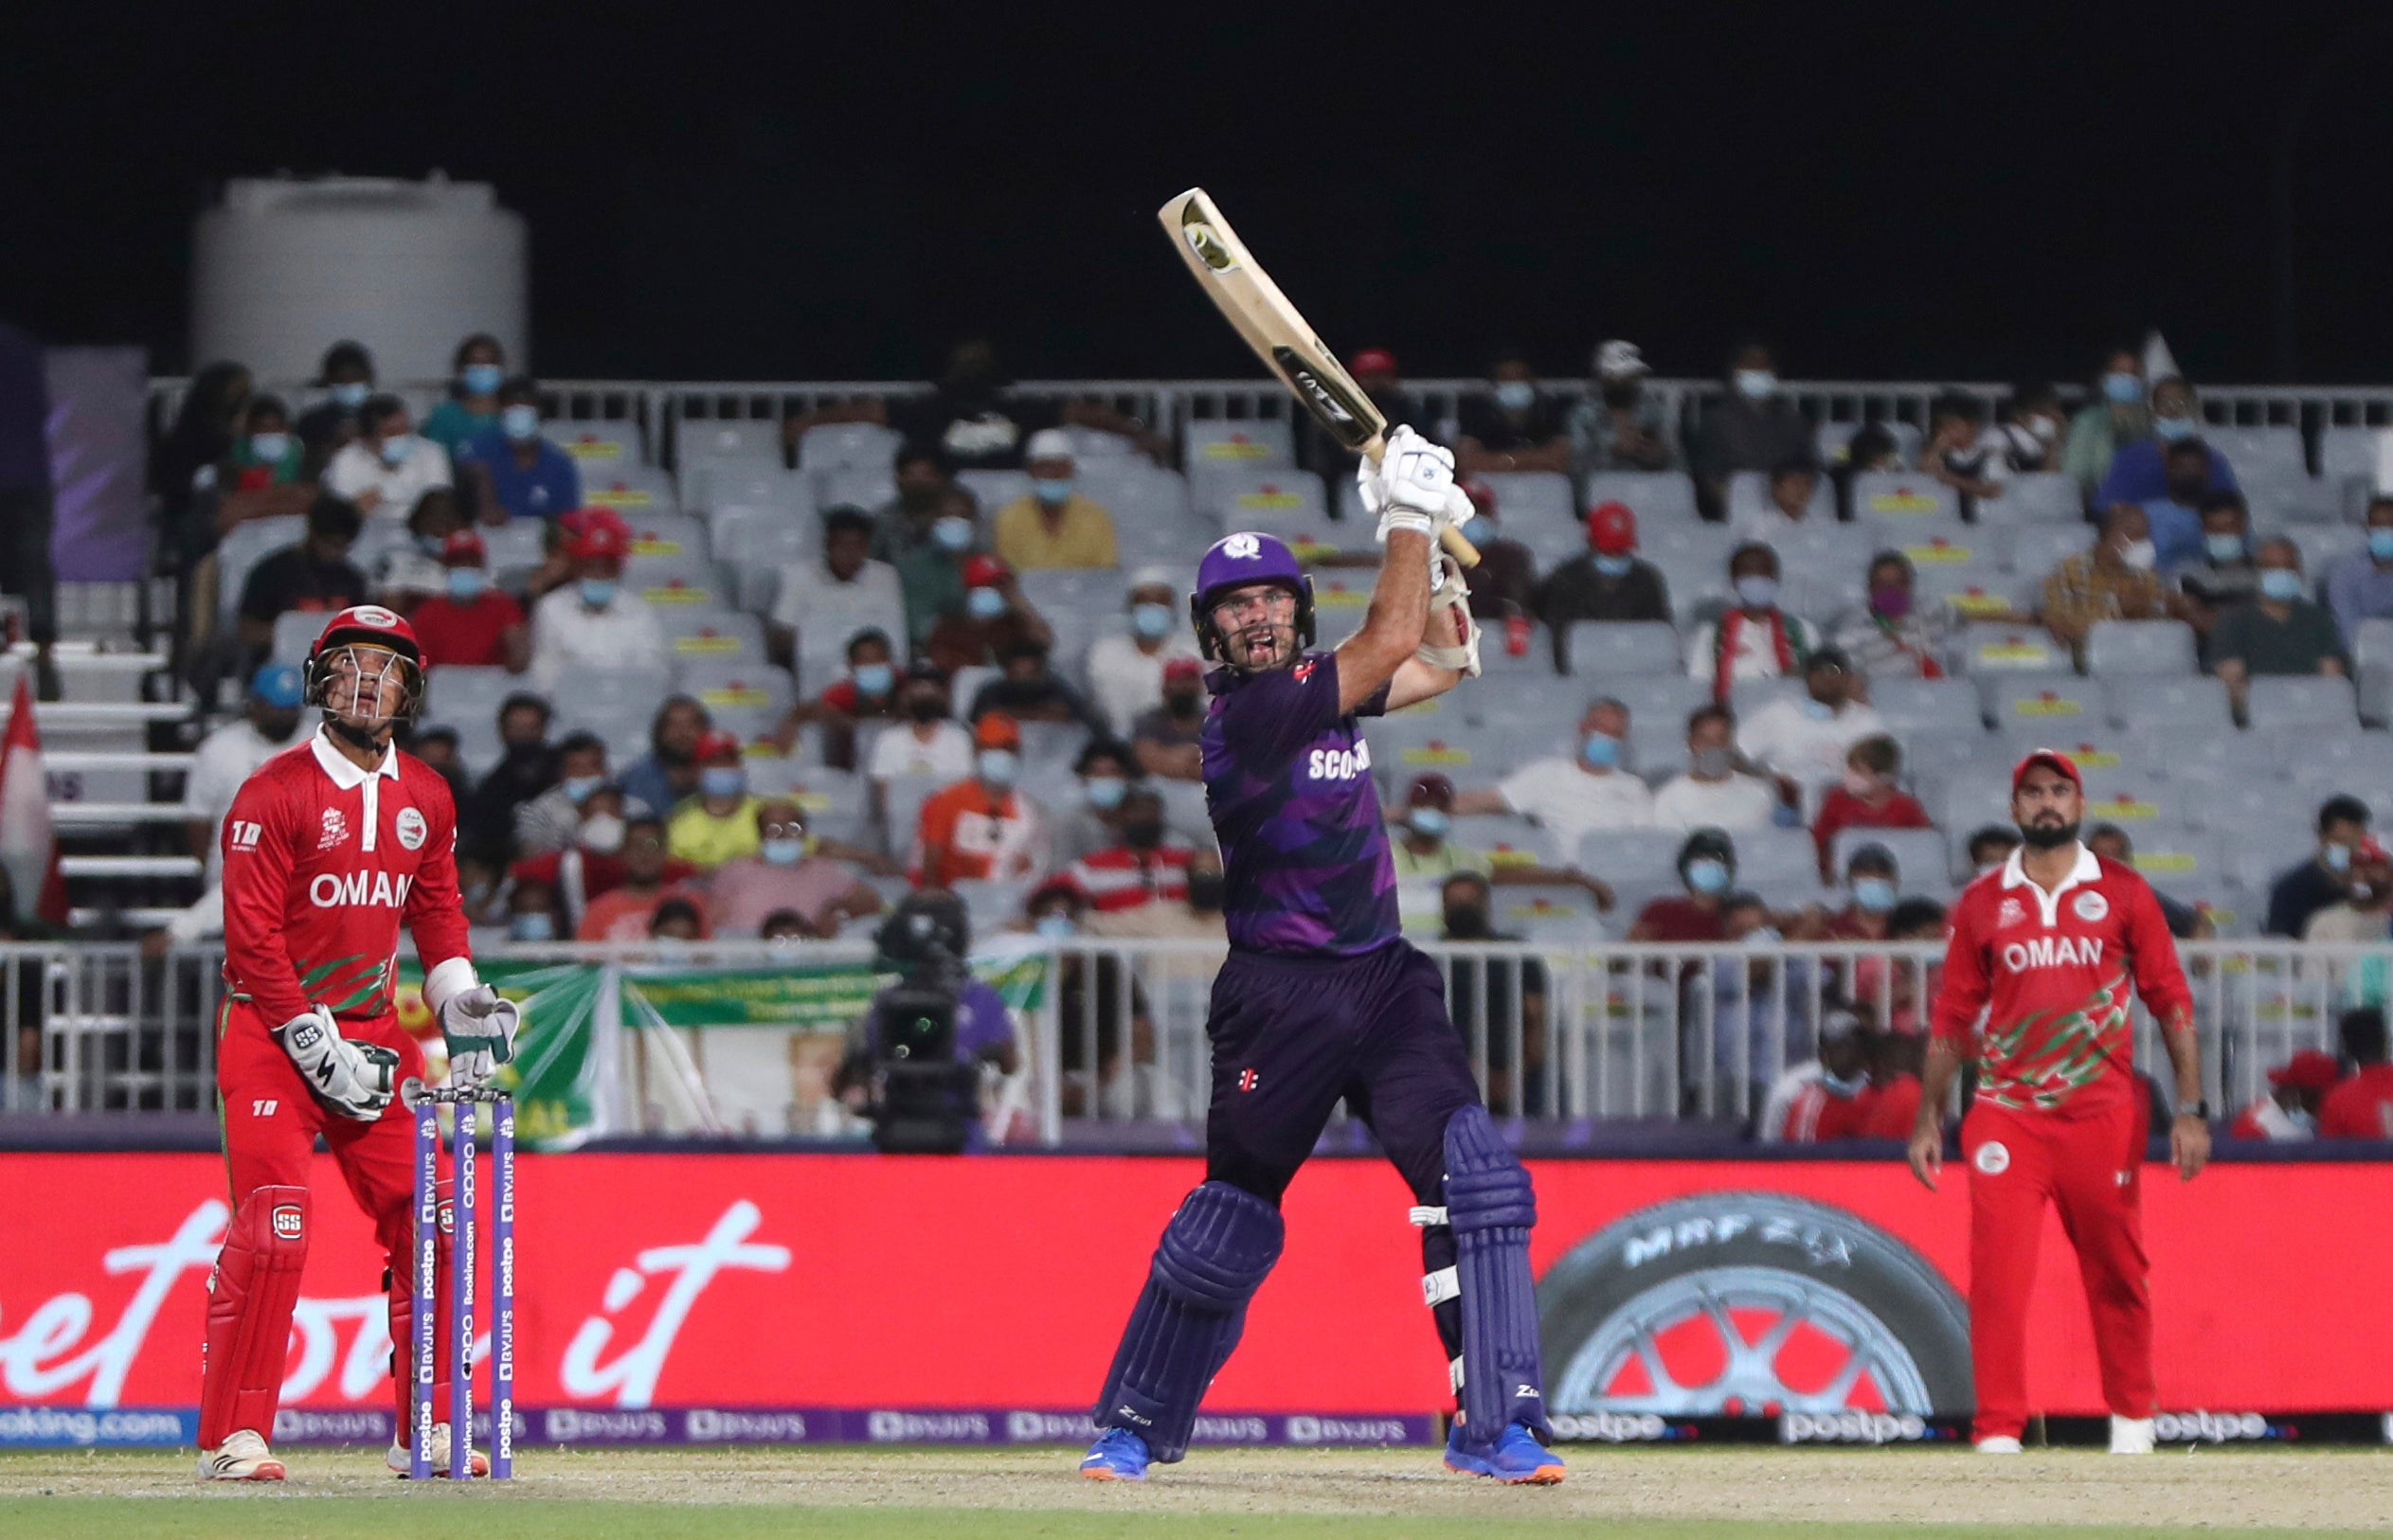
{"type": "Point", "coordinates": [1243, 292]}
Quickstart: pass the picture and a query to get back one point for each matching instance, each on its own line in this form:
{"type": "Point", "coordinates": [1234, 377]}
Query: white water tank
{"type": "Point", "coordinates": [285, 267]}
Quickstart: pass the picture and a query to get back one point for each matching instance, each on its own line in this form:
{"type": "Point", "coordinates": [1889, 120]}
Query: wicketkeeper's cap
{"type": "Point", "coordinates": [374, 625]}
{"type": "Point", "coordinates": [2053, 758]}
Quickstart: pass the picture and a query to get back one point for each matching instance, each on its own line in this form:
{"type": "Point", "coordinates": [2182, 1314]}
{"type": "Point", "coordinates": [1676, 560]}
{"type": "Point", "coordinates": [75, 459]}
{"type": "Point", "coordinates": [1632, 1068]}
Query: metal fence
{"type": "Point", "coordinates": [1117, 1039]}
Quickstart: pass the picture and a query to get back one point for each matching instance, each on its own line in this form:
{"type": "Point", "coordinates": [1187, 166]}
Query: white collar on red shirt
{"type": "Point", "coordinates": [2088, 869]}
{"type": "Point", "coordinates": [343, 770]}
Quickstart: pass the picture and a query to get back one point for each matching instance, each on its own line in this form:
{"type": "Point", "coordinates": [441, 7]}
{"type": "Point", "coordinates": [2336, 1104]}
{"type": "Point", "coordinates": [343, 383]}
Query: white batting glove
{"type": "Point", "coordinates": [478, 1025]}
{"type": "Point", "coordinates": [1412, 485]}
{"type": "Point", "coordinates": [355, 1080]}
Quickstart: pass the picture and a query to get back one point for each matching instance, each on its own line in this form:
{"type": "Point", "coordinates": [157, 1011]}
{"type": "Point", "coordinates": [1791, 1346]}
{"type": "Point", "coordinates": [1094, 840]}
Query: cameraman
{"type": "Point", "coordinates": [925, 940]}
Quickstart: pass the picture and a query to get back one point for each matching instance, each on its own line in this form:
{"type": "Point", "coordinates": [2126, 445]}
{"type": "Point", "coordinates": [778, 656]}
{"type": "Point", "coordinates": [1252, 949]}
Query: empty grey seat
{"type": "Point", "coordinates": [1747, 696]}
{"type": "Point", "coordinates": [2036, 497]}
{"type": "Point", "coordinates": [1641, 857]}
{"type": "Point", "coordinates": [597, 448]}
{"type": "Point", "coordinates": [2323, 545]}
{"type": "Point", "coordinates": [709, 480]}
{"type": "Point", "coordinates": [1749, 498]}
{"type": "Point", "coordinates": [2263, 453]}
{"type": "Point", "coordinates": [2193, 701]}
{"type": "Point", "coordinates": [2300, 701]}
{"type": "Point", "coordinates": [1657, 497]}
{"type": "Point", "coordinates": [1239, 443]}
{"type": "Point", "coordinates": [1624, 647]}
{"type": "Point", "coordinates": [1650, 698]}
{"type": "Point", "coordinates": [2037, 549]}
{"type": "Point", "coordinates": [2057, 706]}
{"type": "Point", "coordinates": [1527, 499]}
{"type": "Point", "coordinates": [1986, 647]}
{"type": "Point", "coordinates": [1775, 858]}
{"type": "Point", "coordinates": [854, 486]}
{"type": "Point", "coordinates": [1244, 497]}
{"type": "Point", "coordinates": [829, 446]}
{"type": "Point", "coordinates": [994, 489]}
{"type": "Point", "coordinates": [636, 492]}
{"type": "Point", "coordinates": [1919, 707]}
{"type": "Point", "coordinates": [721, 636]}
{"type": "Point", "coordinates": [749, 438]}
{"type": "Point", "coordinates": [1880, 496]}
{"type": "Point", "coordinates": [1508, 840]}
{"type": "Point", "coordinates": [2139, 648]}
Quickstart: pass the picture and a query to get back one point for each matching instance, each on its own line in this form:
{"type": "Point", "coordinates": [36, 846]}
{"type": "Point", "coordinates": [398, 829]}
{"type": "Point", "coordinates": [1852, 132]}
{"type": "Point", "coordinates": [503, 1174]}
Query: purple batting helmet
{"type": "Point", "coordinates": [1234, 562]}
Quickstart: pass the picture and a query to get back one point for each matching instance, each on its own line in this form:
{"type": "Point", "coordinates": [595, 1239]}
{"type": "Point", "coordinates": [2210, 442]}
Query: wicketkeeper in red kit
{"type": "Point", "coordinates": [2047, 947]}
{"type": "Point", "coordinates": [328, 847]}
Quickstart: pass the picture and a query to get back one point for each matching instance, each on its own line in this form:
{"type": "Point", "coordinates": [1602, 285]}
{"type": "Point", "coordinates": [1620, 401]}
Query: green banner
{"type": "Point", "coordinates": [824, 999]}
{"type": "Point", "coordinates": [560, 1072]}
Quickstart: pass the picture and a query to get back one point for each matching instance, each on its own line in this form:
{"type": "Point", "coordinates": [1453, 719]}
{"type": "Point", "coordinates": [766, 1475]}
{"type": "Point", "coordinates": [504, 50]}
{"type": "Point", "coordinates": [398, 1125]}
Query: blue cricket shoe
{"type": "Point", "coordinates": [1516, 1459]}
{"type": "Point", "coordinates": [1119, 1454]}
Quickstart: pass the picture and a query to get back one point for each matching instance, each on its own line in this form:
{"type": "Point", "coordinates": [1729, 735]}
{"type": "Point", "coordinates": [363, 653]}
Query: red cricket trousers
{"type": "Point", "coordinates": [271, 1122]}
{"type": "Point", "coordinates": [2086, 1164]}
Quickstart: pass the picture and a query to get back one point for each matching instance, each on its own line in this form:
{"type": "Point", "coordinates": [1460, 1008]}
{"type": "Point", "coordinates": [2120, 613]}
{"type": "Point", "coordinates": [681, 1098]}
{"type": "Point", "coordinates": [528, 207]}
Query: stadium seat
{"type": "Point", "coordinates": [512, 549]}
{"type": "Point", "coordinates": [295, 634]}
{"type": "Point", "coordinates": [722, 636]}
{"type": "Point", "coordinates": [2036, 497]}
{"type": "Point", "coordinates": [636, 492]}
{"type": "Point", "coordinates": [1550, 916]}
{"type": "Point", "coordinates": [855, 486]}
{"type": "Point", "coordinates": [1650, 698]}
{"type": "Point", "coordinates": [1917, 707]}
{"type": "Point", "coordinates": [1508, 840]}
{"type": "Point", "coordinates": [1260, 497]}
{"type": "Point", "coordinates": [243, 546]}
{"type": "Point", "coordinates": [2269, 454]}
{"type": "Point", "coordinates": [2056, 705]}
{"type": "Point", "coordinates": [1749, 498]}
{"type": "Point", "coordinates": [2372, 656]}
{"type": "Point", "coordinates": [835, 447]}
{"type": "Point", "coordinates": [1244, 443]}
{"type": "Point", "coordinates": [747, 699]}
{"type": "Point", "coordinates": [2196, 701]}
{"type": "Point", "coordinates": [748, 484]}
{"type": "Point", "coordinates": [1624, 647]}
{"type": "Point", "coordinates": [2181, 861]}
{"type": "Point", "coordinates": [2275, 703]}
{"type": "Point", "coordinates": [1833, 440]}
{"type": "Point", "coordinates": [994, 489]}
{"type": "Point", "coordinates": [2135, 796]}
{"type": "Point", "coordinates": [2138, 648]}
{"type": "Point", "coordinates": [1880, 496]}
{"type": "Point", "coordinates": [708, 481]}
{"type": "Point", "coordinates": [2093, 746]}
{"type": "Point", "coordinates": [1982, 647]}
{"type": "Point", "coordinates": [1774, 858]}
{"type": "Point", "coordinates": [1096, 593]}
{"type": "Point", "coordinates": [1657, 497]}
{"type": "Point", "coordinates": [2323, 545]}
{"type": "Point", "coordinates": [1648, 856]}
{"type": "Point", "coordinates": [744, 437]}
{"type": "Point", "coordinates": [597, 448]}
{"type": "Point", "coordinates": [1920, 855]}
{"type": "Point", "coordinates": [1528, 502]}
{"type": "Point", "coordinates": [1963, 566]}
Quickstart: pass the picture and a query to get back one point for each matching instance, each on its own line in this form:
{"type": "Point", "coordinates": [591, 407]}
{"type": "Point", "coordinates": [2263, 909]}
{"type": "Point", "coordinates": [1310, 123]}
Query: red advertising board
{"type": "Point", "coordinates": [856, 1281]}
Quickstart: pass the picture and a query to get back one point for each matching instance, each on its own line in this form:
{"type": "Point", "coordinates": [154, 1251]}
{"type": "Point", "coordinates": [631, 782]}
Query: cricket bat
{"type": "Point", "coordinates": [1273, 327]}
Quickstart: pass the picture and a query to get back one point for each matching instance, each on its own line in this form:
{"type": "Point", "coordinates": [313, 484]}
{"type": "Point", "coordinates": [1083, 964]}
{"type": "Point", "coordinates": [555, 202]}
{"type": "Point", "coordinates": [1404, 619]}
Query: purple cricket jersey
{"type": "Point", "coordinates": [1287, 779]}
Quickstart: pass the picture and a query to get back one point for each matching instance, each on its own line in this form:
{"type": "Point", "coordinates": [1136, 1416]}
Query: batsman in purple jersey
{"type": "Point", "coordinates": [1321, 999]}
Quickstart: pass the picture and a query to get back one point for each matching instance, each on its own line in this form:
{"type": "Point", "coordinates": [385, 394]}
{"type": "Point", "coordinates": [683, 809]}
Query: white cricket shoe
{"type": "Point", "coordinates": [243, 1457]}
{"type": "Point", "coordinates": [1999, 1445]}
{"type": "Point", "coordinates": [398, 1459]}
{"type": "Point", "coordinates": [2130, 1435]}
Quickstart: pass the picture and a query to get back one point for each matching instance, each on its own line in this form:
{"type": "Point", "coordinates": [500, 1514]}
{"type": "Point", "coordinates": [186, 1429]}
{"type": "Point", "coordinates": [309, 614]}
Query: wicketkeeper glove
{"type": "Point", "coordinates": [478, 1025]}
{"type": "Point", "coordinates": [356, 1079]}
{"type": "Point", "coordinates": [1412, 485]}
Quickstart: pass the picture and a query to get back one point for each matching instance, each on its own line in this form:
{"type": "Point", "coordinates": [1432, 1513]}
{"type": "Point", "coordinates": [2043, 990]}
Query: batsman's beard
{"type": "Point", "coordinates": [2047, 836]}
{"type": "Point", "coordinates": [1260, 648]}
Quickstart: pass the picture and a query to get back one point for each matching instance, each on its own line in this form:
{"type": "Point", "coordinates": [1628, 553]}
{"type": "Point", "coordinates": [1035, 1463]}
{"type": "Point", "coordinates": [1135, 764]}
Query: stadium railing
{"type": "Point", "coordinates": [1655, 1032]}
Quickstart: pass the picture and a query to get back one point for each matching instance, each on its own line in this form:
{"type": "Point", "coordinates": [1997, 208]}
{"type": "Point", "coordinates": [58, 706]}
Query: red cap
{"type": "Point", "coordinates": [1372, 361]}
{"type": "Point", "coordinates": [996, 729]}
{"type": "Point", "coordinates": [1612, 528]}
{"type": "Point", "coordinates": [2052, 757]}
{"type": "Point", "coordinates": [603, 535]}
{"type": "Point", "coordinates": [1182, 668]}
{"type": "Point", "coordinates": [715, 743]}
{"type": "Point", "coordinates": [463, 548]}
{"type": "Point", "coordinates": [982, 572]}
{"type": "Point", "coordinates": [1430, 791]}
{"type": "Point", "coordinates": [2309, 1069]}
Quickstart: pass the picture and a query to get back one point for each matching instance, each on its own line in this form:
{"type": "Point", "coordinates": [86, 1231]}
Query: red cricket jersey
{"type": "Point", "coordinates": [1818, 1114]}
{"type": "Point", "coordinates": [322, 863]}
{"type": "Point", "coordinates": [2359, 1107]}
{"type": "Point", "coordinates": [2055, 970]}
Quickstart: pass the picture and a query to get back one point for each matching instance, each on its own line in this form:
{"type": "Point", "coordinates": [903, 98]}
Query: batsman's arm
{"type": "Point", "coordinates": [1392, 627]}
{"type": "Point", "coordinates": [1417, 679]}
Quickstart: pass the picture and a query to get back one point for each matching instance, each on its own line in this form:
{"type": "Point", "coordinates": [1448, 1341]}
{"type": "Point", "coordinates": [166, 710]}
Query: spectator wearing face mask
{"type": "Point", "coordinates": [1621, 426]}
{"type": "Point", "coordinates": [649, 880]}
{"type": "Point", "coordinates": [1991, 846]}
{"type": "Point", "coordinates": [1873, 885]}
{"type": "Point", "coordinates": [1574, 797]}
{"type": "Point", "coordinates": [2225, 575]}
{"type": "Point", "coordinates": [1868, 798]}
{"type": "Point", "coordinates": [2301, 891]}
{"type": "Point", "coordinates": [868, 692]}
{"type": "Point", "coordinates": [1609, 582]}
{"type": "Point", "coordinates": [790, 873]}
{"type": "Point", "coordinates": [553, 820]}
{"type": "Point", "coordinates": [1713, 793]}
{"type": "Point", "coordinates": [2279, 630]}
{"type": "Point", "coordinates": [1144, 865]}
{"type": "Point", "coordinates": [1503, 586]}
{"type": "Point", "coordinates": [1961, 454]}
{"type": "Point", "coordinates": [593, 628]}
{"type": "Point", "coordinates": [1753, 428]}
{"type": "Point", "coordinates": [1898, 992]}
{"type": "Point", "coordinates": [982, 827]}
{"type": "Point", "coordinates": [410, 571]}
{"type": "Point", "coordinates": [533, 914]}
{"type": "Point", "coordinates": [1895, 636]}
{"type": "Point", "coordinates": [346, 378]}
{"type": "Point", "coordinates": [389, 465]}
{"type": "Point", "coordinates": [1422, 847]}
{"type": "Point", "coordinates": [2359, 1107]}
{"type": "Point", "coordinates": [1168, 739]}
{"type": "Point", "coordinates": [2365, 912]}
{"type": "Point", "coordinates": [1827, 1098]}
{"type": "Point", "coordinates": [592, 866]}
{"type": "Point", "coordinates": [269, 724]}
{"type": "Point", "coordinates": [2029, 436]}
{"type": "Point", "coordinates": [1512, 426]}
{"type": "Point", "coordinates": [1127, 671]}
{"type": "Point", "coordinates": [992, 619]}
{"type": "Point", "coordinates": [2113, 581]}
{"type": "Point", "coordinates": [2139, 472]}
{"type": "Point", "coordinates": [1803, 743]}
{"type": "Point", "coordinates": [513, 471]}
{"type": "Point", "coordinates": [2186, 922]}
{"type": "Point", "coordinates": [1106, 772]}
{"type": "Point", "coordinates": [843, 590]}
{"type": "Point", "coordinates": [929, 742]}
{"type": "Point", "coordinates": [2116, 415]}
{"type": "Point", "coordinates": [1753, 638]}
{"type": "Point", "coordinates": [669, 771]}
{"type": "Point", "coordinates": [718, 824]}
{"type": "Point", "coordinates": [526, 766]}
{"type": "Point", "coordinates": [478, 371]}
{"type": "Point", "coordinates": [925, 533]}
{"type": "Point", "coordinates": [261, 476]}
{"type": "Point", "coordinates": [1707, 870]}
{"type": "Point", "coordinates": [314, 576]}
{"type": "Point", "coordinates": [2289, 1114]}
{"type": "Point", "coordinates": [1791, 488]}
{"type": "Point", "coordinates": [2175, 515]}
{"type": "Point", "coordinates": [1053, 525]}
{"type": "Point", "coordinates": [2360, 586]}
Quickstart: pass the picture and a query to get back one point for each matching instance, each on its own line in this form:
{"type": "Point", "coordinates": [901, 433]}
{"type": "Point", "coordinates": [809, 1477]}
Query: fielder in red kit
{"type": "Point", "coordinates": [328, 849]}
{"type": "Point", "coordinates": [2046, 948]}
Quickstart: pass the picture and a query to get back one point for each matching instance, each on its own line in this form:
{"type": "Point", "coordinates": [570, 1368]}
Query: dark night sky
{"type": "Point", "coordinates": [1890, 191]}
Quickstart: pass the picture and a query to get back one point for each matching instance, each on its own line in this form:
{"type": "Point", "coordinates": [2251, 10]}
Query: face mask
{"type": "Point", "coordinates": [1756, 592]}
{"type": "Point", "coordinates": [396, 449]}
{"type": "Point", "coordinates": [2338, 857]}
{"type": "Point", "coordinates": [983, 603]}
{"type": "Point", "coordinates": [2281, 585]}
{"type": "Point", "coordinates": [1615, 566]}
{"type": "Point", "coordinates": [2173, 428]}
{"type": "Point", "coordinates": [1204, 891]}
{"type": "Point", "coordinates": [1052, 490]}
{"type": "Point", "coordinates": [1761, 936]}
{"type": "Point", "coordinates": [269, 448]}
{"type": "Point", "coordinates": [2139, 555]}
{"type": "Point", "coordinates": [1706, 875]}
{"type": "Point", "coordinates": [1843, 1085]}
{"type": "Point", "coordinates": [925, 709]}
{"type": "Point", "coordinates": [1429, 823]}
{"type": "Point", "coordinates": [520, 422]}
{"type": "Point", "coordinates": [1152, 622]}
{"type": "Point", "coordinates": [2124, 390]}
{"type": "Point", "coordinates": [577, 789]}
{"type": "Point", "coordinates": [1467, 920]}
{"type": "Point", "coordinates": [1516, 395]}
{"type": "Point", "coordinates": [874, 679]}
{"type": "Point", "coordinates": [1860, 784]}
{"type": "Point", "coordinates": [1755, 384]}
{"type": "Point", "coordinates": [1105, 792]}
{"type": "Point", "coordinates": [482, 379]}
{"type": "Point", "coordinates": [782, 852]}
{"type": "Point", "coordinates": [466, 583]}
{"type": "Point", "coordinates": [2230, 547]}
{"type": "Point", "coordinates": [602, 832]}
{"type": "Point", "coordinates": [351, 396]}
{"type": "Point", "coordinates": [1146, 834]}
{"type": "Point", "coordinates": [1602, 750]}
{"type": "Point", "coordinates": [999, 766]}
{"type": "Point", "coordinates": [1874, 895]}
{"type": "Point", "coordinates": [1891, 603]}
{"type": "Point", "coordinates": [598, 593]}
{"type": "Point", "coordinates": [1057, 926]}
{"type": "Point", "coordinates": [2044, 429]}
{"type": "Point", "coordinates": [724, 780]}
{"type": "Point", "coordinates": [952, 533]}
{"type": "Point", "coordinates": [1711, 763]}
{"type": "Point", "coordinates": [2381, 544]}
{"type": "Point", "coordinates": [533, 927]}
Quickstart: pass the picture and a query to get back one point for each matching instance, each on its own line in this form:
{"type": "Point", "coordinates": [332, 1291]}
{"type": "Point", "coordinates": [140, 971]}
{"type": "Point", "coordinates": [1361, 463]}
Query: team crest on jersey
{"type": "Point", "coordinates": [336, 829]}
{"type": "Point", "coordinates": [1305, 669]}
{"type": "Point", "coordinates": [2012, 913]}
{"type": "Point", "coordinates": [411, 828]}
{"type": "Point", "coordinates": [2090, 907]}
{"type": "Point", "coordinates": [1993, 1157]}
